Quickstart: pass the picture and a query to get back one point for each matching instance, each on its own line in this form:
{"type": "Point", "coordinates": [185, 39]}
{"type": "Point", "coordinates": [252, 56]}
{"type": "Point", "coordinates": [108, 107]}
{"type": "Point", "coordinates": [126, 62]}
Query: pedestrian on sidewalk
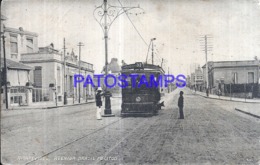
{"type": "Point", "coordinates": [180, 105]}
{"type": "Point", "coordinates": [207, 92]}
{"type": "Point", "coordinates": [99, 103]}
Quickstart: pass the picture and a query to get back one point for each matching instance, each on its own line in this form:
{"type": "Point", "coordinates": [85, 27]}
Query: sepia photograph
{"type": "Point", "coordinates": [130, 82]}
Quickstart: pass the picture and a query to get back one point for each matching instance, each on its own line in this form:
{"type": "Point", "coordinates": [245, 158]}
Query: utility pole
{"type": "Point", "coordinates": [79, 45]}
{"type": "Point", "coordinates": [152, 52]}
{"type": "Point", "coordinates": [64, 74]}
{"type": "Point", "coordinates": [105, 15]}
{"type": "Point", "coordinates": [5, 74]}
{"type": "Point", "coordinates": [170, 84]}
{"type": "Point", "coordinates": [162, 63]}
{"type": "Point", "coordinates": [206, 57]}
{"type": "Point", "coordinates": [206, 48]}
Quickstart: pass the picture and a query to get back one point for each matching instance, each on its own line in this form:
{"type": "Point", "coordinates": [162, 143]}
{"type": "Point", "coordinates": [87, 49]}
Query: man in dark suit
{"type": "Point", "coordinates": [180, 105]}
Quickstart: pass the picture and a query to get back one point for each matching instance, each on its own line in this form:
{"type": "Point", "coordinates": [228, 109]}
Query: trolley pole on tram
{"type": "Point", "coordinates": [105, 15]}
{"type": "Point", "coordinates": [151, 42]}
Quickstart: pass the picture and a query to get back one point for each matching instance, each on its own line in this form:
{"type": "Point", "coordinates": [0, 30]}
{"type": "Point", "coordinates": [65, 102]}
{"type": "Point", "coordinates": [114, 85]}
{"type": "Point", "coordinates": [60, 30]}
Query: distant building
{"type": "Point", "coordinates": [188, 81]}
{"type": "Point", "coordinates": [196, 79]}
{"type": "Point", "coordinates": [113, 67]}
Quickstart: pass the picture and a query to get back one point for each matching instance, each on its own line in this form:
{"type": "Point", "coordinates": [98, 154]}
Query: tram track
{"type": "Point", "coordinates": [127, 136]}
{"type": "Point", "coordinates": [145, 134]}
{"type": "Point", "coordinates": [71, 142]}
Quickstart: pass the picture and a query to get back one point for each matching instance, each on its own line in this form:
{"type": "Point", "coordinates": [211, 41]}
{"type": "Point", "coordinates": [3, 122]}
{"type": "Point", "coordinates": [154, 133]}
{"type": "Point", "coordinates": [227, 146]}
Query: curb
{"type": "Point", "coordinates": [226, 99]}
{"type": "Point", "coordinates": [51, 107]}
{"type": "Point", "coordinates": [248, 113]}
{"type": "Point", "coordinates": [70, 105]}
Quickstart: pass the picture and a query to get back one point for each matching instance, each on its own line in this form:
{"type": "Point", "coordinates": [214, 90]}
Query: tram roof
{"type": "Point", "coordinates": [145, 67]}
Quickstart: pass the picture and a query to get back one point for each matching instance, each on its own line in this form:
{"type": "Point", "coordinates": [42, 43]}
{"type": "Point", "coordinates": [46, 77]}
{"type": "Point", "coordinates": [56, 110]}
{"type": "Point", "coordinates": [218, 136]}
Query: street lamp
{"type": "Point", "coordinates": [105, 15]}
{"type": "Point", "coordinates": [79, 67]}
{"type": "Point", "coordinates": [151, 42]}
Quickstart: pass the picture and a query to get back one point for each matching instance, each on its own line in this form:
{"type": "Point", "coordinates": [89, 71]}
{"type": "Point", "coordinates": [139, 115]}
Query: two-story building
{"type": "Point", "coordinates": [38, 74]}
{"type": "Point", "coordinates": [16, 42]}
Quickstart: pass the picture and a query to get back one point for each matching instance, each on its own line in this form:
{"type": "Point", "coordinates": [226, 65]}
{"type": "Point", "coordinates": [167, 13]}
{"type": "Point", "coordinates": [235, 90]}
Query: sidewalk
{"type": "Point", "coordinates": [49, 105]}
{"type": "Point", "coordinates": [248, 106]}
{"type": "Point", "coordinates": [255, 100]}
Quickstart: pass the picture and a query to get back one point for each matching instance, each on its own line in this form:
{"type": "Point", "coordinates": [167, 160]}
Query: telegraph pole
{"type": "Point", "coordinates": [206, 48]}
{"type": "Point", "coordinates": [79, 45]}
{"type": "Point", "coordinates": [162, 63]}
{"type": "Point", "coordinates": [152, 52]}
{"type": "Point", "coordinates": [206, 57]}
{"type": "Point", "coordinates": [169, 74]}
{"type": "Point", "coordinates": [64, 74]}
{"type": "Point", "coordinates": [5, 74]}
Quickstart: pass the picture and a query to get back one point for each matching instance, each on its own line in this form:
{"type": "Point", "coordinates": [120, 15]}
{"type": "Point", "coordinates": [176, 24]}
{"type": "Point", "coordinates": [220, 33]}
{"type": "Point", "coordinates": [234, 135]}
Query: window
{"type": "Point", "coordinates": [14, 46]}
{"type": "Point", "coordinates": [71, 85]}
{"type": "Point", "coordinates": [58, 79]}
{"type": "Point", "coordinates": [16, 99]}
{"type": "Point", "coordinates": [234, 78]}
{"type": "Point", "coordinates": [250, 77]}
{"type": "Point", "coordinates": [29, 45]}
{"type": "Point", "coordinates": [37, 75]}
{"type": "Point", "coordinates": [59, 89]}
{"type": "Point", "coordinates": [14, 90]}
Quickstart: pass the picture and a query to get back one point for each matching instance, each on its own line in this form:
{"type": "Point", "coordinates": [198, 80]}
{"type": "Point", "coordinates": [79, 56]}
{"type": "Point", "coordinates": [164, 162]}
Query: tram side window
{"type": "Point", "coordinates": [129, 82]}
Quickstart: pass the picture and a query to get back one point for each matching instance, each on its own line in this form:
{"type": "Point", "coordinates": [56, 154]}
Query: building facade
{"type": "Point", "coordinates": [196, 79]}
{"type": "Point", "coordinates": [38, 74]}
{"type": "Point", "coordinates": [18, 41]}
{"type": "Point", "coordinates": [231, 72]}
{"type": "Point", "coordinates": [17, 83]}
{"type": "Point", "coordinates": [15, 42]}
{"type": "Point", "coordinates": [48, 70]}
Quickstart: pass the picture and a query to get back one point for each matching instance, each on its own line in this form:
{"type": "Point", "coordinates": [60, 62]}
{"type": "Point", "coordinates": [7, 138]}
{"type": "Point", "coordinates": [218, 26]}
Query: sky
{"type": "Point", "coordinates": [233, 27]}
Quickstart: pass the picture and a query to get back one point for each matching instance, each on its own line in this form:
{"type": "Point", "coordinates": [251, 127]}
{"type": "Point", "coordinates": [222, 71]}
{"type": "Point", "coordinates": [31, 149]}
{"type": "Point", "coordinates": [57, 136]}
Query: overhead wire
{"type": "Point", "coordinates": [133, 25]}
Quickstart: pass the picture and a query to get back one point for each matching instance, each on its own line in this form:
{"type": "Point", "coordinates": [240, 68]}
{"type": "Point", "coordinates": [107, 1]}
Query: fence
{"type": "Point", "coordinates": [41, 94]}
{"type": "Point", "coordinates": [242, 89]}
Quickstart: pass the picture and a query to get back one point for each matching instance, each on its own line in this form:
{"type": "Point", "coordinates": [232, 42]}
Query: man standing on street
{"type": "Point", "coordinates": [99, 103]}
{"type": "Point", "coordinates": [180, 105]}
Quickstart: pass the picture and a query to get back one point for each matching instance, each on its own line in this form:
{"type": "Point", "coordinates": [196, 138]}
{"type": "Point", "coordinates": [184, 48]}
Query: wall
{"type": "Point", "coordinates": [21, 41]}
{"type": "Point", "coordinates": [227, 74]}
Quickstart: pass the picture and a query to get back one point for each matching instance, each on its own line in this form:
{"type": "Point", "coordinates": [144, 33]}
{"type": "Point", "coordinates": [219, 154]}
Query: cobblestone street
{"type": "Point", "coordinates": [212, 132]}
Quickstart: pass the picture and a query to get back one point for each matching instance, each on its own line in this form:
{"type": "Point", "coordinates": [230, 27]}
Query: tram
{"type": "Point", "coordinates": [141, 100]}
